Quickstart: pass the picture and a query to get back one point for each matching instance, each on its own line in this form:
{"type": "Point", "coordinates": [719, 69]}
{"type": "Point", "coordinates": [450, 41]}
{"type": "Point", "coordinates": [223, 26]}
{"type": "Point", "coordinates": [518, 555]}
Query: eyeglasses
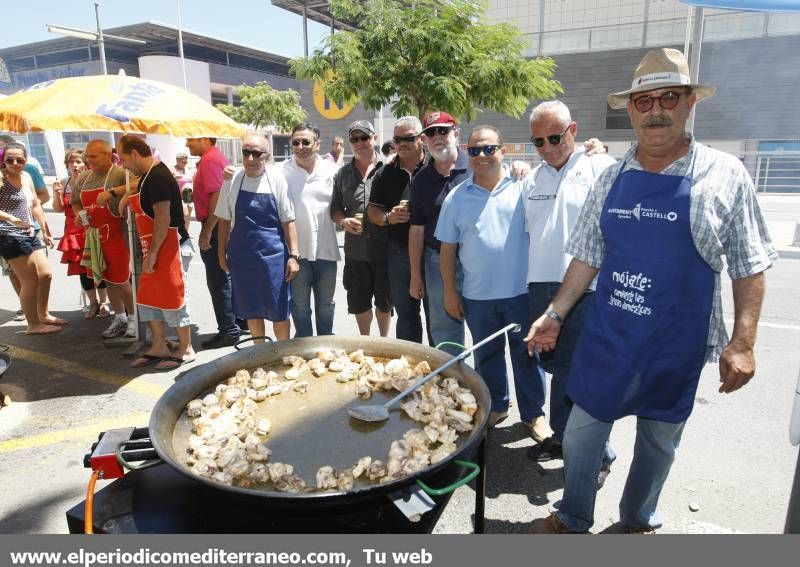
{"type": "Point", "coordinates": [252, 153]}
{"type": "Point", "coordinates": [554, 139]}
{"type": "Point", "coordinates": [475, 151]}
{"type": "Point", "coordinates": [357, 139]}
{"type": "Point", "coordinates": [667, 101]}
{"type": "Point", "coordinates": [405, 139]}
{"type": "Point", "coordinates": [302, 141]}
{"type": "Point", "coordinates": [440, 130]}
{"type": "Point", "coordinates": [19, 160]}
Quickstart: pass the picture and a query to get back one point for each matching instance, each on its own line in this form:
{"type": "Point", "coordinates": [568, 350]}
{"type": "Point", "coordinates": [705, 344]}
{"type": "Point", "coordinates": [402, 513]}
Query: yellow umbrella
{"type": "Point", "coordinates": [114, 103]}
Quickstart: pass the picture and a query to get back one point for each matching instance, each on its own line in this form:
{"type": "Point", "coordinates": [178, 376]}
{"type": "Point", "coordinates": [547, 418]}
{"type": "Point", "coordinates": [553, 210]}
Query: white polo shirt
{"type": "Point", "coordinates": [311, 195]}
{"type": "Point", "coordinates": [553, 200]}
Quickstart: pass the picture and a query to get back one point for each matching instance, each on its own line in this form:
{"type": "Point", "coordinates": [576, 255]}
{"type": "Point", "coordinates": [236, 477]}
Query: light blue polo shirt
{"type": "Point", "coordinates": [489, 227]}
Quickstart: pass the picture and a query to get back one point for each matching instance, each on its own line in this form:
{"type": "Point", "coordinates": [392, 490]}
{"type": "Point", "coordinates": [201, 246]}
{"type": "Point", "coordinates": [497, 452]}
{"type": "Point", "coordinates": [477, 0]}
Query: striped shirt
{"type": "Point", "coordinates": [725, 219]}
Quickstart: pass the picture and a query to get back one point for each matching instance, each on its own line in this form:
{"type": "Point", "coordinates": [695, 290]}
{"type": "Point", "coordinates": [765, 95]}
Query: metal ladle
{"type": "Point", "coordinates": [381, 413]}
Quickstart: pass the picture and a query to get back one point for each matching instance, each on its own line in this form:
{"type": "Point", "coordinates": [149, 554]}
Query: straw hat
{"type": "Point", "coordinates": [659, 69]}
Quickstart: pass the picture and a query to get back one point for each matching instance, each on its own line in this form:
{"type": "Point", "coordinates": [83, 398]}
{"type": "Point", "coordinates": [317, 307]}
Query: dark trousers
{"type": "Point", "coordinates": [219, 286]}
{"type": "Point", "coordinates": [409, 322]}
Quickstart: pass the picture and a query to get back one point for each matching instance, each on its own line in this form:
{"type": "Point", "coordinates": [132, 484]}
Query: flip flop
{"type": "Point", "coordinates": [172, 345]}
{"type": "Point", "coordinates": [146, 360]}
{"type": "Point", "coordinates": [50, 329]}
{"type": "Point", "coordinates": [173, 359]}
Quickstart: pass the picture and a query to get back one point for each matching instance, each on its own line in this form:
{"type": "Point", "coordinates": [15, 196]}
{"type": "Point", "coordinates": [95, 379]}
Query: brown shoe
{"type": "Point", "coordinates": [640, 530]}
{"type": "Point", "coordinates": [539, 429]}
{"type": "Point", "coordinates": [549, 525]}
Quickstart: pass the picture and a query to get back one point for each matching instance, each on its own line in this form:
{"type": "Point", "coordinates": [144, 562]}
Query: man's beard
{"type": "Point", "coordinates": [449, 152]}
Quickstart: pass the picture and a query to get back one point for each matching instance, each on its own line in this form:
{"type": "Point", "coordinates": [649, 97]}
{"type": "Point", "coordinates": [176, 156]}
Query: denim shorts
{"type": "Point", "coordinates": [172, 317]}
{"type": "Point", "coordinates": [13, 246]}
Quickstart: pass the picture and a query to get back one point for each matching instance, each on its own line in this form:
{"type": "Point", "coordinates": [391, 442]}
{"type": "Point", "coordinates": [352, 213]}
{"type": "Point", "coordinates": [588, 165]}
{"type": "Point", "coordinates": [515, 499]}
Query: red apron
{"type": "Point", "coordinates": [112, 238]}
{"type": "Point", "coordinates": [71, 244]}
{"type": "Point", "coordinates": [164, 288]}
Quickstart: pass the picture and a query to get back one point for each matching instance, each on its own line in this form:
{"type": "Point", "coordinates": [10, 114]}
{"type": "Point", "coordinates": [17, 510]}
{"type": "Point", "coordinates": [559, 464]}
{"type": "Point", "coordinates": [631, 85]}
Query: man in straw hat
{"type": "Point", "coordinates": [653, 231]}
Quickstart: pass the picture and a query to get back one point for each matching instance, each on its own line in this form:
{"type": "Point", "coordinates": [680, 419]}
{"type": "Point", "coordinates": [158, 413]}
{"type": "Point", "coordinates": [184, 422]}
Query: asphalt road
{"type": "Point", "coordinates": [735, 462]}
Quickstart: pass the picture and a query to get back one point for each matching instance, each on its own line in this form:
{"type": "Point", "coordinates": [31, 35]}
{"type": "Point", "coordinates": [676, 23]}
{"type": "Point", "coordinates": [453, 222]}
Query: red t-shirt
{"type": "Point", "coordinates": [207, 180]}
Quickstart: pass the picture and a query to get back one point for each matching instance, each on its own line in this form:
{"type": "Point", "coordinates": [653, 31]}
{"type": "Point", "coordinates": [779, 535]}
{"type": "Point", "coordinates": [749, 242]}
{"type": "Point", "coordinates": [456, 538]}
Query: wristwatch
{"type": "Point", "coordinates": [554, 316]}
{"type": "Point", "coordinates": [295, 256]}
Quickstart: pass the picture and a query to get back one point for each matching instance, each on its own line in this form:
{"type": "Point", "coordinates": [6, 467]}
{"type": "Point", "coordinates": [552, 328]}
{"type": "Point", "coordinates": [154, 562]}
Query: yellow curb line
{"type": "Point", "coordinates": [83, 432]}
{"type": "Point", "coordinates": [131, 384]}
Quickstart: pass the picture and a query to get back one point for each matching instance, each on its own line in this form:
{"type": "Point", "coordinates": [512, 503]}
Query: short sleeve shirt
{"type": "Point", "coordinates": [428, 191]}
{"type": "Point", "coordinates": [489, 228]}
{"type": "Point", "coordinates": [159, 185]}
{"type": "Point", "coordinates": [725, 220]}
{"type": "Point", "coordinates": [93, 180]}
{"type": "Point", "coordinates": [207, 180]}
{"type": "Point", "coordinates": [271, 181]}
{"type": "Point", "coordinates": [392, 183]}
{"type": "Point", "coordinates": [351, 194]}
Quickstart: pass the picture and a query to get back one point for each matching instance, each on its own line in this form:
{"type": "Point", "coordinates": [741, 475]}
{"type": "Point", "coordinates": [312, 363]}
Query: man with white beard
{"type": "Point", "coordinates": [447, 168]}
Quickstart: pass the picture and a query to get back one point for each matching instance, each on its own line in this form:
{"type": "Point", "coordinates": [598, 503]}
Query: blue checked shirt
{"type": "Point", "coordinates": [725, 220]}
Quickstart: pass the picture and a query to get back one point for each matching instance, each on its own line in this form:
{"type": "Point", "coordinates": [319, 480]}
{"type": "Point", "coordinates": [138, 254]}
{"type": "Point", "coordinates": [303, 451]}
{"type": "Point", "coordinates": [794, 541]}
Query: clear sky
{"type": "Point", "coordinates": [256, 23]}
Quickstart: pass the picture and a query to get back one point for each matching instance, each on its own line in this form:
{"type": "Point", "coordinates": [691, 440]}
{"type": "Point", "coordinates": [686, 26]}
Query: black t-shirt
{"type": "Point", "coordinates": [160, 185]}
{"type": "Point", "coordinates": [392, 184]}
{"type": "Point", "coordinates": [428, 190]}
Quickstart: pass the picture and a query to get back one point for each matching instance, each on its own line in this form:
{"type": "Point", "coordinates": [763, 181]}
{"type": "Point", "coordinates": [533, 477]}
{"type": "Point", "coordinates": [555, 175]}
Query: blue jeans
{"type": "Point", "coordinates": [219, 286]}
{"type": "Point", "coordinates": [409, 323]}
{"type": "Point", "coordinates": [556, 362]}
{"type": "Point", "coordinates": [484, 317]}
{"type": "Point", "coordinates": [320, 276]}
{"type": "Point", "coordinates": [586, 440]}
{"type": "Point", "coordinates": [443, 327]}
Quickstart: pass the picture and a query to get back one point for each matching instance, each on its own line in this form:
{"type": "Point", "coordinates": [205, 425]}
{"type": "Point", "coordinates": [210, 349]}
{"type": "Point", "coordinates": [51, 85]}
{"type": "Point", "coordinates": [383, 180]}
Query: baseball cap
{"type": "Point", "coordinates": [438, 119]}
{"type": "Point", "coordinates": [362, 125]}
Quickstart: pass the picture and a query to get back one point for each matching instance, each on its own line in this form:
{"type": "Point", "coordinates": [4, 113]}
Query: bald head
{"type": "Point", "coordinates": [256, 141]}
{"type": "Point", "coordinates": [255, 153]}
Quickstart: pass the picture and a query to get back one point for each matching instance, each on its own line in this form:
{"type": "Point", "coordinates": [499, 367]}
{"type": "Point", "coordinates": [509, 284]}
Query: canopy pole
{"type": "Point", "coordinates": [101, 44]}
{"type": "Point", "coordinates": [694, 59]}
{"type": "Point", "coordinates": [180, 47]}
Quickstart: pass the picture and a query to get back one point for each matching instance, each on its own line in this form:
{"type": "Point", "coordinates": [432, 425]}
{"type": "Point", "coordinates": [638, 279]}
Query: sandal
{"type": "Point", "coordinates": [104, 311]}
{"type": "Point", "coordinates": [146, 360]}
{"type": "Point", "coordinates": [173, 362]}
{"type": "Point", "coordinates": [91, 311]}
{"type": "Point", "coordinates": [19, 316]}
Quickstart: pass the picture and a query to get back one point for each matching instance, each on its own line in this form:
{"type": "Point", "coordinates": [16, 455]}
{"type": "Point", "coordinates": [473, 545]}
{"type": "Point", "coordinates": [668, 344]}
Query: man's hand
{"type": "Point", "coordinates": [292, 269]}
{"type": "Point", "coordinates": [398, 215]}
{"type": "Point", "coordinates": [204, 240]}
{"type": "Point", "coordinates": [453, 305]}
{"type": "Point", "coordinates": [737, 364]}
{"type": "Point", "coordinates": [352, 225]}
{"type": "Point", "coordinates": [594, 146]}
{"type": "Point", "coordinates": [149, 264]}
{"type": "Point", "coordinates": [519, 169]}
{"type": "Point", "coordinates": [543, 335]}
{"type": "Point", "coordinates": [228, 172]}
{"type": "Point", "coordinates": [104, 197]}
{"type": "Point", "coordinates": [416, 288]}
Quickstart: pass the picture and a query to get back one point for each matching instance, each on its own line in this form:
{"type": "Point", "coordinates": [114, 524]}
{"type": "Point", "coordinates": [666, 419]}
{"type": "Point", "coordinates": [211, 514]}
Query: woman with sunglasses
{"type": "Point", "coordinates": [71, 244]}
{"type": "Point", "coordinates": [19, 206]}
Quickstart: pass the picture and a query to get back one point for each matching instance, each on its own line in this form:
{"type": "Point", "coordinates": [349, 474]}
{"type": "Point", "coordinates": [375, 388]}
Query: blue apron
{"type": "Point", "coordinates": [645, 336]}
{"type": "Point", "coordinates": [257, 256]}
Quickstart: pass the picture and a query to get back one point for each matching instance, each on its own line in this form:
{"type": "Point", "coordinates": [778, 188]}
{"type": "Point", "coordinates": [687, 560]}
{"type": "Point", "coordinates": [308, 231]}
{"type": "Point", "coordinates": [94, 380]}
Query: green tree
{"type": "Point", "coordinates": [264, 106]}
{"type": "Point", "coordinates": [425, 55]}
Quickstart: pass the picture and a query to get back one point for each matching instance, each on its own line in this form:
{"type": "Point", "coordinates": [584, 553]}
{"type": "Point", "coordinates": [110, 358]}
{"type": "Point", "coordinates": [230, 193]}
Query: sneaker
{"type": "Point", "coordinates": [118, 327]}
{"type": "Point", "coordinates": [19, 315]}
{"type": "Point", "coordinates": [220, 340]}
{"type": "Point", "coordinates": [130, 330]}
{"type": "Point", "coordinates": [539, 429]}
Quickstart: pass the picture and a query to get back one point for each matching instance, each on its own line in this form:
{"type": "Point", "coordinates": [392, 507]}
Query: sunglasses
{"type": "Point", "coordinates": [475, 151]}
{"type": "Point", "coordinates": [357, 139]}
{"type": "Point", "coordinates": [554, 139]}
{"type": "Point", "coordinates": [667, 101]}
{"type": "Point", "coordinates": [302, 141]}
{"type": "Point", "coordinates": [405, 139]}
{"type": "Point", "coordinates": [440, 130]}
{"type": "Point", "coordinates": [12, 161]}
{"type": "Point", "coordinates": [253, 153]}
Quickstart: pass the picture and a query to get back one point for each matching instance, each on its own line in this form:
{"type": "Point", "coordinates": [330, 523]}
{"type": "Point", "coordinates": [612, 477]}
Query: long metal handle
{"type": "Point", "coordinates": [447, 365]}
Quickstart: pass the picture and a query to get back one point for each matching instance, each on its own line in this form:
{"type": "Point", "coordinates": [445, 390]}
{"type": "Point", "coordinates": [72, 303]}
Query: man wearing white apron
{"type": "Point", "coordinates": [654, 230]}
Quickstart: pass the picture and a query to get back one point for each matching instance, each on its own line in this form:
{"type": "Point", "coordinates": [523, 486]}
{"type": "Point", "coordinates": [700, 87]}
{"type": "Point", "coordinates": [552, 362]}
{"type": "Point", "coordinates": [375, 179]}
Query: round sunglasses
{"type": "Point", "coordinates": [667, 101]}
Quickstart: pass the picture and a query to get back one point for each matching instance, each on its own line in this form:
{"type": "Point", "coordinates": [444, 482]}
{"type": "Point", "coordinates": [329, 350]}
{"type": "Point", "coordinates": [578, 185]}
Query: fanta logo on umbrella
{"type": "Point", "coordinates": [137, 97]}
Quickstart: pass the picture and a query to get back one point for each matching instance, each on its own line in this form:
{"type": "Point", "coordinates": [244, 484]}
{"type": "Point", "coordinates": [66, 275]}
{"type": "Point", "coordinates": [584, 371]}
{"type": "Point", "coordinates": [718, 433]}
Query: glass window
{"type": "Point", "coordinates": [617, 119]}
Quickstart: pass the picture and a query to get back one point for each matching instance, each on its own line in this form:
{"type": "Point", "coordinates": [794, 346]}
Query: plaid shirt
{"type": "Point", "coordinates": [724, 218]}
